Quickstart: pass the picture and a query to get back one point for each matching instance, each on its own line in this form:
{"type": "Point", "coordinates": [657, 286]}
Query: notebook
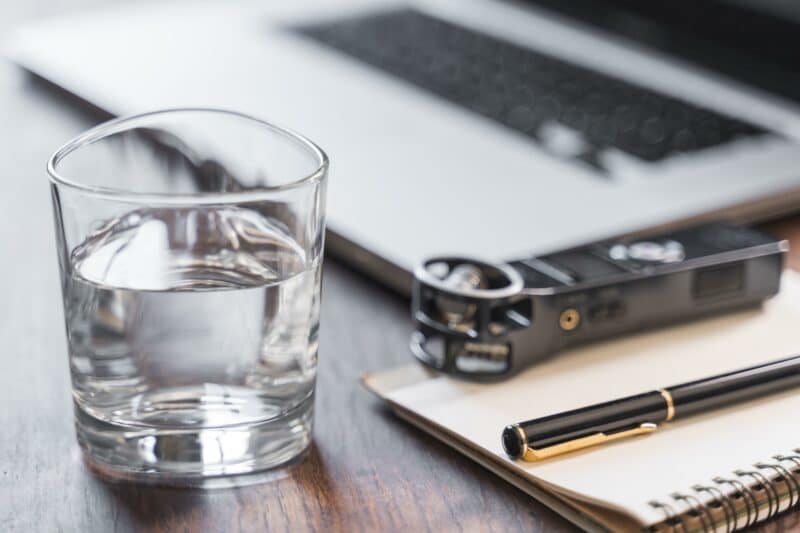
{"type": "Point", "coordinates": [719, 471]}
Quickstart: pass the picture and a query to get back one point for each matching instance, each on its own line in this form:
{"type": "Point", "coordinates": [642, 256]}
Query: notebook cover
{"type": "Point", "coordinates": [721, 343]}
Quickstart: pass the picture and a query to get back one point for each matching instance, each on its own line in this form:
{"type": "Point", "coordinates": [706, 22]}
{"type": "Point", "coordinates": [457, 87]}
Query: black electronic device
{"type": "Point", "coordinates": [487, 321]}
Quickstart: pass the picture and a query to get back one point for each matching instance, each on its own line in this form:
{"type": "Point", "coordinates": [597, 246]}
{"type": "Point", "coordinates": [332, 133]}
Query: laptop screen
{"type": "Point", "coordinates": [754, 41]}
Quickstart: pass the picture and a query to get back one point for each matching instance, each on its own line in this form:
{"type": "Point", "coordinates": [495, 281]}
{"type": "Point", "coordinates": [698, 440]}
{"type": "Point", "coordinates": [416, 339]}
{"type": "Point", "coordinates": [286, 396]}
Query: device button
{"type": "Point", "coordinates": [649, 252]}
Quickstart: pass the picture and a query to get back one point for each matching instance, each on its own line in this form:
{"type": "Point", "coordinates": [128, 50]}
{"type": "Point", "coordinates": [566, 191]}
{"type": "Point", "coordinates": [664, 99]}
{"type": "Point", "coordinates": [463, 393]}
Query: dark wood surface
{"type": "Point", "coordinates": [367, 471]}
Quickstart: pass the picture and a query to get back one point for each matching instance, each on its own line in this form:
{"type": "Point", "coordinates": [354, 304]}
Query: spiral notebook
{"type": "Point", "coordinates": [720, 471]}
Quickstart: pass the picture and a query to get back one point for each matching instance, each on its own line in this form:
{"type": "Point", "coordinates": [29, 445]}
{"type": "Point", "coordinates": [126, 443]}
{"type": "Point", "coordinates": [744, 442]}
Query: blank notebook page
{"type": "Point", "coordinates": [626, 475]}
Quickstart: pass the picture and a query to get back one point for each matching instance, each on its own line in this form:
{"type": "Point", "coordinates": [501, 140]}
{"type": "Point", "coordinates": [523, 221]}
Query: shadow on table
{"type": "Point", "coordinates": [300, 493]}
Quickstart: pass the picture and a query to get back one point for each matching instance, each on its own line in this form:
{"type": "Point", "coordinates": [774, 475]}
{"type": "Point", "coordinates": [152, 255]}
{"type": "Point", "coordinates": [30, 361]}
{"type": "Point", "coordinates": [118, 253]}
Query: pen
{"type": "Point", "coordinates": [568, 431]}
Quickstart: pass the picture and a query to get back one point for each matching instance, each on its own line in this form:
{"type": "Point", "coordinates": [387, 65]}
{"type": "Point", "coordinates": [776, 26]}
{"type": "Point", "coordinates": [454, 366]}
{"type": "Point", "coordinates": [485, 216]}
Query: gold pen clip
{"type": "Point", "coordinates": [531, 454]}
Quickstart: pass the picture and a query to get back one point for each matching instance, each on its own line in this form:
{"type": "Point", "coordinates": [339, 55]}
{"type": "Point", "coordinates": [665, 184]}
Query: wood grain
{"type": "Point", "coordinates": [367, 471]}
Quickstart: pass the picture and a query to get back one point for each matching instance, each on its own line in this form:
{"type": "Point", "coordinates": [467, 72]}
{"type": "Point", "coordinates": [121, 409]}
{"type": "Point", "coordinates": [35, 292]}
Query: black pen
{"type": "Point", "coordinates": [561, 433]}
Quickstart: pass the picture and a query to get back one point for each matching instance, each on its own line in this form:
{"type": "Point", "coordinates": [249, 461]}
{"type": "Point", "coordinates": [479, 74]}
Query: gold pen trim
{"type": "Point", "coordinates": [523, 439]}
{"type": "Point", "coordinates": [670, 404]}
{"type": "Point", "coordinates": [531, 454]}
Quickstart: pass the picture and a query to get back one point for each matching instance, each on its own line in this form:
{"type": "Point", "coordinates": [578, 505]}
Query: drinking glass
{"type": "Point", "coordinates": [190, 245]}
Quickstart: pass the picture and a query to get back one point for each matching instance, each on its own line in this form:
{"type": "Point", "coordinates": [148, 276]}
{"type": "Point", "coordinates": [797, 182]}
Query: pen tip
{"type": "Point", "coordinates": [512, 442]}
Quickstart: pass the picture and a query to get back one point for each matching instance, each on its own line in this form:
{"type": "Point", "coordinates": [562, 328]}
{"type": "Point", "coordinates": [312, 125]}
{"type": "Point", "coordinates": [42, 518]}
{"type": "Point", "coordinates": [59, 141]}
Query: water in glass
{"type": "Point", "coordinates": [192, 332]}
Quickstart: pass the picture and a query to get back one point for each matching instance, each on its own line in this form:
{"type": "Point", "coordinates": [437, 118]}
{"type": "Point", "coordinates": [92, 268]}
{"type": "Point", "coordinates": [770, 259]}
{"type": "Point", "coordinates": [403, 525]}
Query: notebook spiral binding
{"type": "Point", "coordinates": [737, 502]}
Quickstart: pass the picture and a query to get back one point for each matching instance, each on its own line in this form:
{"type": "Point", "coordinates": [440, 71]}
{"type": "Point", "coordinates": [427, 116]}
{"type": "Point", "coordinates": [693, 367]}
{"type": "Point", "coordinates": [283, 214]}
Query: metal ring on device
{"type": "Point", "coordinates": [514, 278]}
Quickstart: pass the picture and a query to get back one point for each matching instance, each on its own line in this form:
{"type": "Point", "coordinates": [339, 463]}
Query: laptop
{"type": "Point", "coordinates": [485, 128]}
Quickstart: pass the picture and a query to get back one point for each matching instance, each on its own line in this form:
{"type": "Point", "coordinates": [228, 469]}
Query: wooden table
{"type": "Point", "coordinates": [367, 471]}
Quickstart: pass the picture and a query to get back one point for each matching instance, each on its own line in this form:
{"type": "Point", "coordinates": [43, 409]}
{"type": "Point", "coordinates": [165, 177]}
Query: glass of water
{"type": "Point", "coordinates": [190, 245]}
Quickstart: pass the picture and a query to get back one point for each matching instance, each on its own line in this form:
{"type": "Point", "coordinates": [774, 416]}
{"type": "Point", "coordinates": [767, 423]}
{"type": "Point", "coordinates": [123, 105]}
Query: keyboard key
{"type": "Point", "coordinates": [524, 89]}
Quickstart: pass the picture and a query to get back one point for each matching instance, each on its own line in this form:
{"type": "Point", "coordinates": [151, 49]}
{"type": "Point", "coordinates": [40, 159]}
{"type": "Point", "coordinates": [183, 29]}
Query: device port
{"type": "Point", "coordinates": [606, 311]}
{"type": "Point", "coordinates": [718, 281]}
{"type": "Point", "coordinates": [598, 312]}
{"type": "Point", "coordinates": [616, 309]}
{"type": "Point", "coordinates": [569, 319]}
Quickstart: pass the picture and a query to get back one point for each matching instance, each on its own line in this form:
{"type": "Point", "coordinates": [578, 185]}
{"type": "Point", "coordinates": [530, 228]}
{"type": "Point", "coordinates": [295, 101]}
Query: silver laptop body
{"type": "Point", "coordinates": [414, 172]}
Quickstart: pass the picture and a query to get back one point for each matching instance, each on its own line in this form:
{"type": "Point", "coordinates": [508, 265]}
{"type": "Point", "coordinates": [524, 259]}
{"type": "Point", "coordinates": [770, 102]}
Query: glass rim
{"type": "Point", "coordinates": [123, 123]}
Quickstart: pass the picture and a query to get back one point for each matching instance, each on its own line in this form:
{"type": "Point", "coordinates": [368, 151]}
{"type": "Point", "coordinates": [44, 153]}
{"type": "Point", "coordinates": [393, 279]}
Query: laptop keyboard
{"type": "Point", "coordinates": [538, 95]}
